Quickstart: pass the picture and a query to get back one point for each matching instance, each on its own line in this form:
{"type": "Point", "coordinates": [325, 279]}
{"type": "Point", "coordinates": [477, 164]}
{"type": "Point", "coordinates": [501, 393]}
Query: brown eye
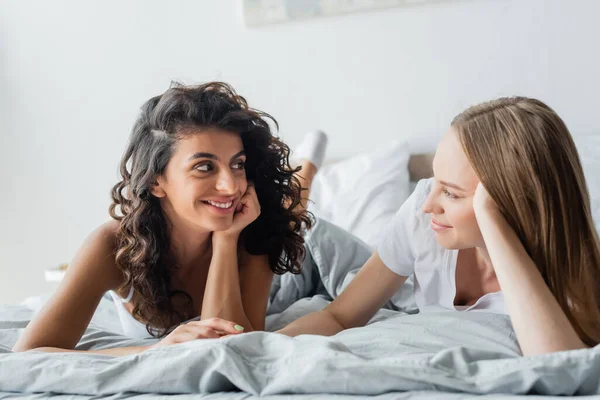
{"type": "Point", "coordinates": [239, 165]}
{"type": "Point", "coordinates": [203, 167]}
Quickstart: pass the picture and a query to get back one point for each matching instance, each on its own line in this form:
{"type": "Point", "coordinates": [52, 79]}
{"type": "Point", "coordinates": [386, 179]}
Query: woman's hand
{"type": "Point", "coordinates": [247, 210]}
{"type": "Point", "coordinates": [487, 212]}
{"type": "Point", "coordinates": [212, 328]}
{"type": "Point", "coordinates": [482, 201]}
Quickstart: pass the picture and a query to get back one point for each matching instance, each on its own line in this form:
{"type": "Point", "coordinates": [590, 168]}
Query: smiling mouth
{"type": "Point", "coordinates": [442, 225]}
{"type": "Point", "coordinates": [438, 227]}
{"type": "Point", "coordinates": [221, 205]}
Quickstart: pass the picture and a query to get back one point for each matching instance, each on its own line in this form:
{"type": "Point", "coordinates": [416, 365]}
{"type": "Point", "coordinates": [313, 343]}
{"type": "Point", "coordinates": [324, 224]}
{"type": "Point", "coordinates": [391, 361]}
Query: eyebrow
{"type": "Point", "coordinates": [213, 157]}
{"type": "Point", "coordinates": [452, 186]}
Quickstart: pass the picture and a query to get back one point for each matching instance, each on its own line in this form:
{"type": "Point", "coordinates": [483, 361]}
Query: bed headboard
{"type": "Point", "coordinates": [419, 166]}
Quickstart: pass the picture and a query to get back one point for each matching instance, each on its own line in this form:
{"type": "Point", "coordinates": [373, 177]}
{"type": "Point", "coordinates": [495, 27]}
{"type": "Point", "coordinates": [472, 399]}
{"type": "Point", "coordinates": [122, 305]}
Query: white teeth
{"type": "Point", "coordinates": [220, 205]}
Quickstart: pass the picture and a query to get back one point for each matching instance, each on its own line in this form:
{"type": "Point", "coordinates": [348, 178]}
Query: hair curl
{"type": "Point", "coordinates": [143, 242]}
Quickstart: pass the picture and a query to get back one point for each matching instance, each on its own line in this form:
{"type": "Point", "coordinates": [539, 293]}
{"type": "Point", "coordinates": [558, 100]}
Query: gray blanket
{"type": "Point", "coordinates": [399, 351]}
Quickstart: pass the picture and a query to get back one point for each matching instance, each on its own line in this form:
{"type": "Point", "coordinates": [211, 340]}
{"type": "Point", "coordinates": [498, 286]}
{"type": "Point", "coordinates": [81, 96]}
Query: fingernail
{"type": "Point", "coordinates": [238, 327]}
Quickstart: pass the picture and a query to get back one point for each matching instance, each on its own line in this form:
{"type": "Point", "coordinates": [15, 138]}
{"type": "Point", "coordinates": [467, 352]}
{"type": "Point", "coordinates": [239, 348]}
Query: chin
{"type": "Point", "coordinates": [216, 224]}
{"type": "Point", "coordinates": [449, 243]}
{"type": "Point", "coordinates": [216, 227]}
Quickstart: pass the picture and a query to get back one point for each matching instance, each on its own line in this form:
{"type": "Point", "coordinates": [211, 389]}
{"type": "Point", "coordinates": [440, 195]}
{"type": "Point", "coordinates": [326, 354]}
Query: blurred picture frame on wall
{"type": "Point", "coordinates": [266, 12]}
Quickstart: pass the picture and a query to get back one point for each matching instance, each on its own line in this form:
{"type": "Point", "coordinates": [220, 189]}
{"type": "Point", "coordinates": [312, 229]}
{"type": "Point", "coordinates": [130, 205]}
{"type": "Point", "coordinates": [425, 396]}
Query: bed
{"type": "Point", "coordinates": [400, 354]}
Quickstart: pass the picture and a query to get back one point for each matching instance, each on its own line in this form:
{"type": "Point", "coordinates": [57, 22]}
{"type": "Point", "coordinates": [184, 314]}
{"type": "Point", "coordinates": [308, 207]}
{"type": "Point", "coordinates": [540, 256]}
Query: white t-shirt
{"type": "Point", "coordinates": [410, 247]}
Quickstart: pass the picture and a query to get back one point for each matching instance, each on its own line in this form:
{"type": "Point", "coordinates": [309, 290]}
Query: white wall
{"type": "Point", "coordinates": [74, 73]}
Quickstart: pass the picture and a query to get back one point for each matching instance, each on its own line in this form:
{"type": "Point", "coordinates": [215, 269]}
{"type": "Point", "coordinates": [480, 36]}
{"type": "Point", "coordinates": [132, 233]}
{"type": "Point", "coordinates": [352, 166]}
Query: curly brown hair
{"type": "Point", "coordinates": [143, 242]}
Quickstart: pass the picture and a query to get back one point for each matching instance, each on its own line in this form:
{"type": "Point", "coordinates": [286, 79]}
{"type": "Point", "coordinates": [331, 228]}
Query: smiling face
{"type": "Point", "coordinates": [450, 202]}
{"type": "Point", "coordinates": [204, 180]}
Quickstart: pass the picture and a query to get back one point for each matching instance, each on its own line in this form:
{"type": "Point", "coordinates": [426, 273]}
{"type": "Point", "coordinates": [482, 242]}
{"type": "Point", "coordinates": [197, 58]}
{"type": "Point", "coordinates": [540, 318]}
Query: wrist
{"type": "Point", "coordinates": [491, 221]}
{"type": "Point", "coordinates": [225, 238]}
{"type": "Point", "coordinates": [488, 212]}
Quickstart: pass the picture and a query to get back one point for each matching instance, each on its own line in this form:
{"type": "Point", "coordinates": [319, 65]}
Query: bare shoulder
{"type": "Point", "coordinates": [102, 241]}
{"type": "Point", "coordinates": [107, 232]}
{"type": "Point", "coordinates": [97, 254]}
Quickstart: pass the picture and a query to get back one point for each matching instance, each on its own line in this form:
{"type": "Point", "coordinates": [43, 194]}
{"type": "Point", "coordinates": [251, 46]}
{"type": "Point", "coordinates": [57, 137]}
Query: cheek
{"type": "Point", "coordinates": [461, 216]}
{"type": "Point", "coordinates": [466, 226]}
{"type": "Point", "coordinates": [191, 191]}
{"type": "Point", "coordinates": [242, 184]}
{"type": "Point", "coordinates": [178, 189]}
{"type": "Point", "coordinates": [197, 187]}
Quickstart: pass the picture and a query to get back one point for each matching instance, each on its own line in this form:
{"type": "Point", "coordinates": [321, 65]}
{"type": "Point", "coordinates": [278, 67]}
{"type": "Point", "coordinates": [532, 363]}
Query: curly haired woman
{"type": "Point", "coordinates": [207, 211]}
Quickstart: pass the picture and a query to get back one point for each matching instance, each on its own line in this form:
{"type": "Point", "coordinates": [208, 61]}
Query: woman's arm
{"type": "Point", "coordinates": [207, 329]}
{"type": "Point", "coordinates": [539, 322]}
{"type": "Point", "coordinates": [117, 351]}
{"type": "Point", "coordinates": [256, 277]}
{"type": "Point", "coordinates": [222, 295]}
{"type": "Point", "coordinates": [372, 287]}
{"type": "Point", "coordinates": [63, 320]}
{"type": "Point", "coordinates": [235, 293]}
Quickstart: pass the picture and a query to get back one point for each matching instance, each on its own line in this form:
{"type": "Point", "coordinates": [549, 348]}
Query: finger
{"type": "Point", "coordinates": [254, 197]}
{"type": "Point", "coordinates": [221, 333]}
{"type": "Point", "coordinates": [183, 337]}
{"type": "Point", "coordinates": [199, 332]}
{"type": "Point", "coordinates": [223, 326]}
{"type": "Point", "coordinates": [239, 206]}
{"type": "Point", "coordinates": [251, 191]}
{"type": "Point", "coordinates": [245, 205]}
{"type": "Point", "coordinates": [250, 199]}
{"type": "Point", "coordinates": [226, 336]}
{"type": "Point", "coordinates": [219, 324]}
{"type": "Point", "coordinates": [207, 333]}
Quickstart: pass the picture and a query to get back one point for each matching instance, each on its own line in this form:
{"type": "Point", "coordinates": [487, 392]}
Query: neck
{"type": "Point", "coordinates": [190, 245]}
{"type": "Point", "coordinates": [190, 249]}
{"type": "Point", "coordinates": [483, 261]}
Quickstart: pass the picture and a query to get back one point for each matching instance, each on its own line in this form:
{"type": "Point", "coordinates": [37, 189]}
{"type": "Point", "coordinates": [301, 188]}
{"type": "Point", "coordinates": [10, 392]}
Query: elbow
{"type": "Point", "coordinates": [23, 349]}
{"type": "Point", "coordinates": [338, 321]}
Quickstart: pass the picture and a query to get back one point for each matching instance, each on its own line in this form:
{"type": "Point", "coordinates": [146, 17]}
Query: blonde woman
{"type": "Point", "coordinates": [504, 226]}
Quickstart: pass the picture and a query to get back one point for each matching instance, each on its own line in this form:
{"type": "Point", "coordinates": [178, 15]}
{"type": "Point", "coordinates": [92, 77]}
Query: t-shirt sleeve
{"type": "Point", "coordinates": [396, 248]}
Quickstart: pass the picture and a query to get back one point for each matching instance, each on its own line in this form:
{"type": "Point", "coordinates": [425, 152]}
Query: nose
{"type": "Point", "coordinates": [226, 182]}
{"type": "Point", "coordinates": [431, 205]}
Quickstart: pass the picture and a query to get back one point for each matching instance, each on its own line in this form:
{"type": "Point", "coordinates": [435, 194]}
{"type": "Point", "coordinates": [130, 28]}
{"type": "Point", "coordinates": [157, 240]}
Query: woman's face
{"type": "Point", "coordinates": [204, 180]}
{"type": "Point", "coordinates": [450, 202]}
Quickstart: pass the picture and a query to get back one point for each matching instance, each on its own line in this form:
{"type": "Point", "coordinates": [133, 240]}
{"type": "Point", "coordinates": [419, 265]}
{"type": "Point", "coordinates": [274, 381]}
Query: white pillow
{"type": "Point", "coordinates": [362, 193]}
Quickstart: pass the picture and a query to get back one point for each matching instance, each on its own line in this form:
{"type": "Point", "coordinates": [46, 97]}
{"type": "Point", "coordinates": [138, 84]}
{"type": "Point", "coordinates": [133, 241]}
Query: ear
{"type": "Point", "coordinates": [157, 188]}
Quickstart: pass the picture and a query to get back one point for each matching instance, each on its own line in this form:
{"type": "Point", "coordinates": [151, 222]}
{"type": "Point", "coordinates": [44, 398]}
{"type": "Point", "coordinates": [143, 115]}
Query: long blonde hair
{"type": "Point", "coordinates": [524, 155]}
